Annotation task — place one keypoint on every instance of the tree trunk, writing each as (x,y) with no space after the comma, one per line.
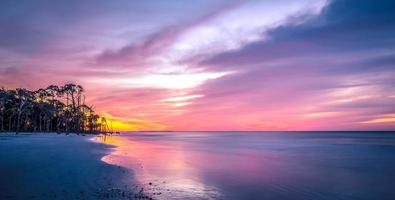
(2,122)
(25,119)
(35,124)
(39,123)
(18,122)
(10,124)
(51,125)
(67,125)
(57,125)
(73,101)
(48,124)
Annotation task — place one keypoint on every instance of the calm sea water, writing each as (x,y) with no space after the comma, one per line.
(260,165)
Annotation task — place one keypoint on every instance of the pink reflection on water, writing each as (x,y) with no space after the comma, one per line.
(166,169)
(255,166)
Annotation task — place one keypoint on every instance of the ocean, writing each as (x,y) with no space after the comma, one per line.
(259,165)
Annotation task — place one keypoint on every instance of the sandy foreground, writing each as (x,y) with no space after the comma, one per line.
(51,166)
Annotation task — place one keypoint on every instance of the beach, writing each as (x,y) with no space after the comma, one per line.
(52,166)
(199,166)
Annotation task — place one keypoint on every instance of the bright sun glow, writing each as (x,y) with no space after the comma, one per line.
(182,98)
(167,81)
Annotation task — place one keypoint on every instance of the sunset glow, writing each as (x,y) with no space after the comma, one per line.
(211,64)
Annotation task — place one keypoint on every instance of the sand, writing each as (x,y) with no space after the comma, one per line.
(51,166)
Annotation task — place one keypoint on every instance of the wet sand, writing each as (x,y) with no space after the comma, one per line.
(51,166)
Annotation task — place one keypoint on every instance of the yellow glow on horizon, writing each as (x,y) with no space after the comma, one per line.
(133,124)
(120,126)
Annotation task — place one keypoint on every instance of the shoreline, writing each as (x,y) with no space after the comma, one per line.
(60,166)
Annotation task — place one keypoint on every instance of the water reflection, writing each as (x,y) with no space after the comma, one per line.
(259,165)
(162,168)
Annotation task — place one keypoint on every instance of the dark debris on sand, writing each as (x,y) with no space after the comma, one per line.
(122,194)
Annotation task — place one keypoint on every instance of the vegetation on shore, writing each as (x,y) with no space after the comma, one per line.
(52,109)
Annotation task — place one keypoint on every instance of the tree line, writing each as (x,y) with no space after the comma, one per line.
(51,109)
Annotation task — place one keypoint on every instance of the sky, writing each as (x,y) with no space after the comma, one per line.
(210,64)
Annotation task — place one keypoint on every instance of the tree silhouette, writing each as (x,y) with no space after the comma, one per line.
(53,109)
